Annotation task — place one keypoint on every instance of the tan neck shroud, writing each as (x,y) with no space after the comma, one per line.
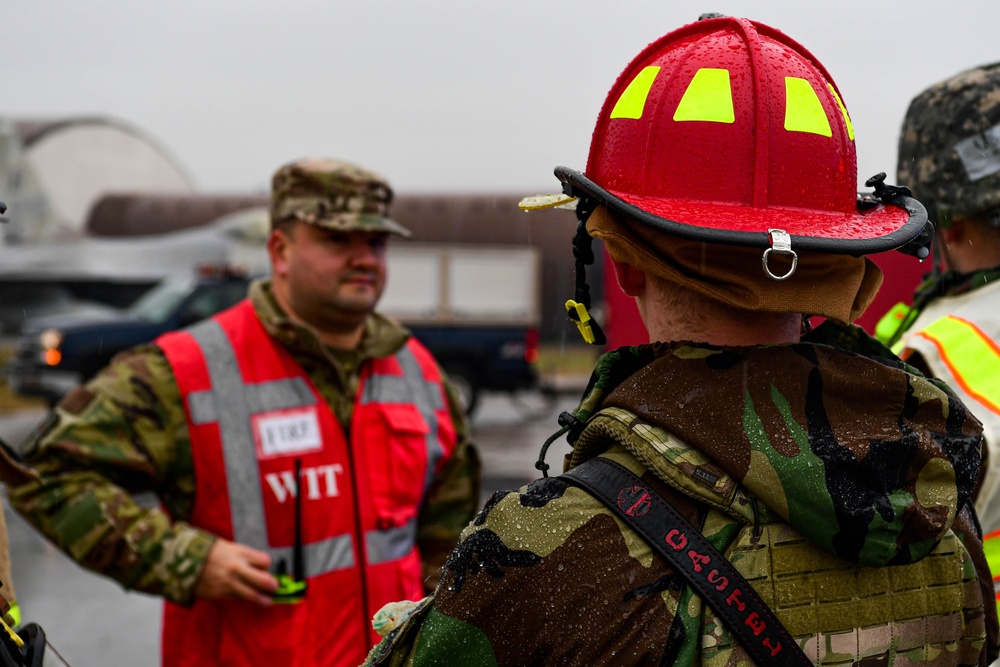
(838,287)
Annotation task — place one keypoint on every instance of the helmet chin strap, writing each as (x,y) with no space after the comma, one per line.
(583,253)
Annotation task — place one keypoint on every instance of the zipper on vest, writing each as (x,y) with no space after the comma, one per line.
(359,539)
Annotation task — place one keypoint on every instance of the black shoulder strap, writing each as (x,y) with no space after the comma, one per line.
(683,546)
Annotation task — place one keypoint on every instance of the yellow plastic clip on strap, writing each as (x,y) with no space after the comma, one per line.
(578,313)
(13,618)
(13,635)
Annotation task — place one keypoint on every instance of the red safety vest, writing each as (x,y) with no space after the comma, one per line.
(252,412)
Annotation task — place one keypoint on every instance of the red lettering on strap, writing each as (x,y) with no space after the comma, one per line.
(697,560)
(755,623)
(775,650)
(734,598)
(719,581)
(676,539)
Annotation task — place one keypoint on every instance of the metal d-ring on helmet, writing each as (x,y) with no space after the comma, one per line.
(727,131)
(781,244)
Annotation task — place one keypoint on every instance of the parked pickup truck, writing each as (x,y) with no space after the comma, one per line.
(57,352)
(475,308)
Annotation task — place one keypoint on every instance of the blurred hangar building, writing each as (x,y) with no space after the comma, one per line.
(94,201)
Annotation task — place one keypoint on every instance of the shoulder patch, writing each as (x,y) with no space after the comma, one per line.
(77,400)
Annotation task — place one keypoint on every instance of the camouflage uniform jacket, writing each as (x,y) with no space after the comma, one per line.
(836,482)
(125,432)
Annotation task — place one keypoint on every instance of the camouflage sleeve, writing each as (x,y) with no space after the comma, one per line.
(452,501)
(122,433)
(6,580)
(545,576)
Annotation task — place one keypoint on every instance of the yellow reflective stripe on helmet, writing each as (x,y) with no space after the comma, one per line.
(970,355)
(633,100)
(803,110)
(708,97)
(843,110)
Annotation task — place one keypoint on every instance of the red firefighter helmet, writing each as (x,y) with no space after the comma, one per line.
(728,131)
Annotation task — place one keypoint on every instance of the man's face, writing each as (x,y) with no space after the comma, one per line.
(331,279)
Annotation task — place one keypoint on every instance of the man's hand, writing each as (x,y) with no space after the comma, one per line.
(236,572)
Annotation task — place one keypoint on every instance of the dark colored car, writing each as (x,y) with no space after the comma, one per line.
(22,301)
(58,352)
(491,358)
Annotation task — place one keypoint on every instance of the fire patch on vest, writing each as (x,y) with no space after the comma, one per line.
(287,432)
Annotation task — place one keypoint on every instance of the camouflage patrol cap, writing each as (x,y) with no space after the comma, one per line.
(333,194)
(949,147)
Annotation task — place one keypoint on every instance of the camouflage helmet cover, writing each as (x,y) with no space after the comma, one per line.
(334,195)
(949,147)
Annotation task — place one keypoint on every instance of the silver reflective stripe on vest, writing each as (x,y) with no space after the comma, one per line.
(384,546)
(231,403)
(334,553)
(411,388)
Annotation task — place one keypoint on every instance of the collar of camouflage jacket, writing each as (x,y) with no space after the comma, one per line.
(952,283)
(853,448)
(382,336)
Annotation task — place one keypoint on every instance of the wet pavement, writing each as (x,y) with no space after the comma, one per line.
(91,621)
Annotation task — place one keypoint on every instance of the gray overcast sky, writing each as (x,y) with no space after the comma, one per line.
(438,95)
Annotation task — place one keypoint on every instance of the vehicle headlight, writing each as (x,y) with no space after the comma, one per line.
(50,340)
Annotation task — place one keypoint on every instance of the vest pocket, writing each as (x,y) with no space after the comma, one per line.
(397,446)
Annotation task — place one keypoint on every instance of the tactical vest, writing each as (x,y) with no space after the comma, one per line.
(959,339)
(253,412)
(837,611)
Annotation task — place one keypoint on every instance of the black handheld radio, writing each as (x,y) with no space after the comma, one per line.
(292,587)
